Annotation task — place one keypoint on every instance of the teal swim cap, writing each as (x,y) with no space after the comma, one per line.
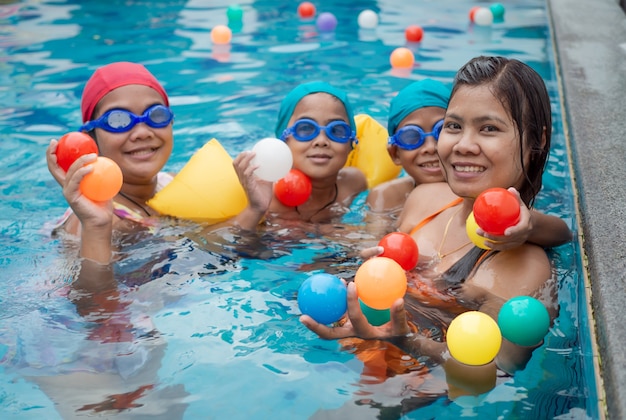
(427,92)
(288,105)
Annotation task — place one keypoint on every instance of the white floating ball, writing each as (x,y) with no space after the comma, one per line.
(483,17)
(368,19)
(273,158)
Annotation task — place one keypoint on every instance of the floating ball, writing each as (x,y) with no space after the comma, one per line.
(273,158)
(402,58)
(497,10)
(483,17)
(524,320)
(103,182)
(294,189)
(323,297)
(234,13)
(472,13)
(474,338)
(375,317)
(368,19)
(401,248)
(72,146)
(306,10)
(470,227)
(379,282)
(221,34)
(326,22)
(414,33)
(496,209)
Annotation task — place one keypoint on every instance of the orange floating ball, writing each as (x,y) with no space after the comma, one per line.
(306,10)
(221,34)
(402,58)
(414,33)
(379,282)
(103,182)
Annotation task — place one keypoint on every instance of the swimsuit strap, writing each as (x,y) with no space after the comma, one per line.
(437,213)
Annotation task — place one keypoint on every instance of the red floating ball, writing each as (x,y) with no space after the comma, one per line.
(306,10)
(72,146)
(294,189)
(401,248)
(414,33)
(496,209)
(472,12)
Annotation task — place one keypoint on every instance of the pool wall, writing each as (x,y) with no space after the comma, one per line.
(590,40)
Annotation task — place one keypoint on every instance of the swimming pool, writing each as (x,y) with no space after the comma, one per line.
(227,326)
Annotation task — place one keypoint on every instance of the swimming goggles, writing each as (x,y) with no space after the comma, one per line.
(307,130)
(411,137)
(121,120)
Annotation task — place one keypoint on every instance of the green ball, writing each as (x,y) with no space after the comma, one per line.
(234,13)
(375,317)
(497,10)
(524,320)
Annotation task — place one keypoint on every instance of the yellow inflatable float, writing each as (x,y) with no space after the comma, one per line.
(205,190)
(370,155)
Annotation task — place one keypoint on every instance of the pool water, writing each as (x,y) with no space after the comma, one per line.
(216,332)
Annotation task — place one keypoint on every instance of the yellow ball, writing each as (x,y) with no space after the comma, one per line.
(470,227)
(474,338)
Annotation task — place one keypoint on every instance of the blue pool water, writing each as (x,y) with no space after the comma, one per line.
(228,342)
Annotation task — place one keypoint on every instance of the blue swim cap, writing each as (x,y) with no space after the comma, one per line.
(427,92)
(288,105)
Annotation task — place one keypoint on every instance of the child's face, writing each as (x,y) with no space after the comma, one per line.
(142,151)
(479,146)
(320,157)
(422,164)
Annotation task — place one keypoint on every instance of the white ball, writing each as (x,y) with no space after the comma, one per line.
(368,19)
(273,158)
(483,17)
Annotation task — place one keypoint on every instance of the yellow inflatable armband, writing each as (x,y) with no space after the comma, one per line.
(205,190)
(370,154)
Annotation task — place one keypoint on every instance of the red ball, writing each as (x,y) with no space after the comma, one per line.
(472,12)
(496,209)
(401,248)
(294,189)
(414,33)
(72,146)
(306,10)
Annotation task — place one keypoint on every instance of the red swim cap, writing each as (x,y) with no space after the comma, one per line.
(113,76)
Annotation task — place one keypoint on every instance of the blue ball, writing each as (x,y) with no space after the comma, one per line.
(323,297)
(524,320)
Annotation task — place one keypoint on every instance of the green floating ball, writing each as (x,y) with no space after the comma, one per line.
(524,320)
(375,317)
(234,13)
(497,10)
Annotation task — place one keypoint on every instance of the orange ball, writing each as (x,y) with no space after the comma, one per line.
(306,9)
(402,58)
(103,182)
(221,34)
(414,33)
(379,282)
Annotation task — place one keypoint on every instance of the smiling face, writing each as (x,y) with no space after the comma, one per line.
(422,164)
(142,151)
(321,157)
(479,145)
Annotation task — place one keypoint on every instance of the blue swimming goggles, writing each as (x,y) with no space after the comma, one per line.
(121,120)
(307,130)
(411,137)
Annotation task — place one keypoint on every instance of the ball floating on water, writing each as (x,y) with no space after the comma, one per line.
(379,282)
(294,189)
(326,22)
(375,317)
(103,182)
(273,158)
(470,227)
(524,320)
(497,9)
(368,19)
(414,33)
(472,13)
(221,34)
(483,17)
(234,13)
(474,338)
(401,248)
(323,297)
(72,146)
(496,209)
(402,58)
(306,10)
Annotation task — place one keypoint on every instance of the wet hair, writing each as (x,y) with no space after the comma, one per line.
(523,93)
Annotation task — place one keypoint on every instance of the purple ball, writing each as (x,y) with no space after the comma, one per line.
(326,22)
